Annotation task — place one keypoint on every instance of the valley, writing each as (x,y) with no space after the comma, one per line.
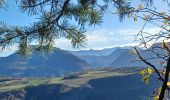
(109,84)
(70,75)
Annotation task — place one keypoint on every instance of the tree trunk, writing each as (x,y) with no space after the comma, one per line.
(164,86)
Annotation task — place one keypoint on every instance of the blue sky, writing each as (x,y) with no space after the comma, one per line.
(111,33)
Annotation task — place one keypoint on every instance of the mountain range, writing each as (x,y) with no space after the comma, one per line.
(102,52)
(62,62)
(126,59)
(103,61)
(122,57)
(55,64)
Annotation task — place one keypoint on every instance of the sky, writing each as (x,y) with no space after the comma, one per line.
(111,33)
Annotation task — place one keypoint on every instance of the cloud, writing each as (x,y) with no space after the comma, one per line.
(63,43)
(127,32)
(152,30)
(103,38)
(106,38)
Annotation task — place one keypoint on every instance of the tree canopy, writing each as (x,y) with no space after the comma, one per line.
(58,18)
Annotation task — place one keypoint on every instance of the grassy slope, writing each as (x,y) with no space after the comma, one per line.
(89,85)
(15,84)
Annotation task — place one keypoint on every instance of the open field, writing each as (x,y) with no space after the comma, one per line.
(73,80)
(100,84)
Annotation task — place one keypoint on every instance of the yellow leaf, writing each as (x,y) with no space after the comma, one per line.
(165,22)
(164,71)
(162,13)
(150,71)
(132,9)
(168,83)
(146,79)
(135,17)
(142,72)
(164,45)
(156,98)
(140,7)
(159,90)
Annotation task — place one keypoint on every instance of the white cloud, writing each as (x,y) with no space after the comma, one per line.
(153,30)
(63,43)
(103,38)
(128,32)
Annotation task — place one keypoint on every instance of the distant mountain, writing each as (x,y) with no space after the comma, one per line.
(58,63)
(127,59)
(121,57)
(96,61)
(117,53)
(103,52)
(103,61)
(61,62)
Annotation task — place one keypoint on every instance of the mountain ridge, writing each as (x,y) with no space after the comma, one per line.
(57,63)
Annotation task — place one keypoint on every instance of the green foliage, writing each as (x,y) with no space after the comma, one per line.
(56,20)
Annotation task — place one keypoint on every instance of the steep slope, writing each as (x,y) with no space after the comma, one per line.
(58,63)
(96,61)
(127,59)
(117,53)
